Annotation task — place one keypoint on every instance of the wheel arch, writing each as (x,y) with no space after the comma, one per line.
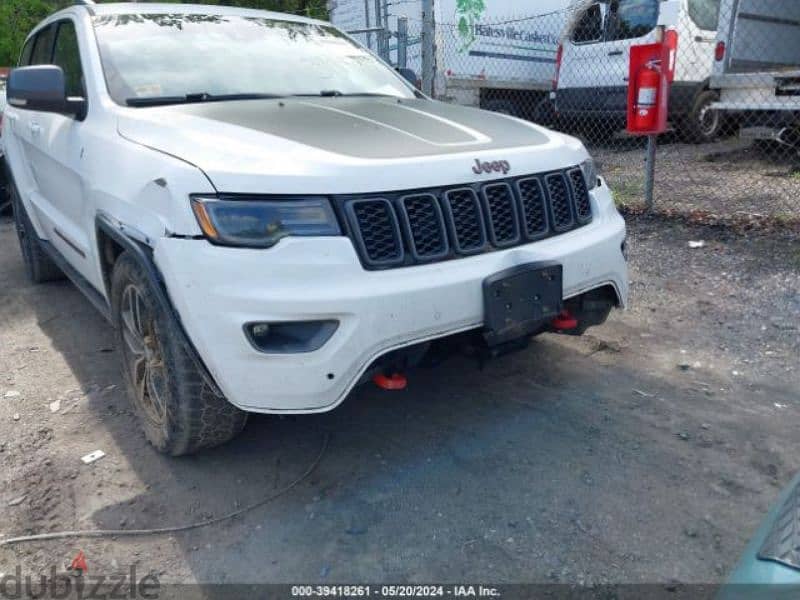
(684,94)
(114,238)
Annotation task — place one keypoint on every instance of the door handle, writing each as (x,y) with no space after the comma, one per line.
(35,128)
(615,53)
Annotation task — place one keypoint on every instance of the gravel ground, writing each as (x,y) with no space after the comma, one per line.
(645,451)
(730,179)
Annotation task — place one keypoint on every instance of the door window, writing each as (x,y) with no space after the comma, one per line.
(628,19)
(68,57)
(27,50)
(43,47)
(590,26)
(704,13)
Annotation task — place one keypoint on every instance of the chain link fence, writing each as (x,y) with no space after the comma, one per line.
(732,150)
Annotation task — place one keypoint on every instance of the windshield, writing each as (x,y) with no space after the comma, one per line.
(207,56)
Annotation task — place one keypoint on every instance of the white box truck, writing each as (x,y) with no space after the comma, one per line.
(757,68)
(496,54)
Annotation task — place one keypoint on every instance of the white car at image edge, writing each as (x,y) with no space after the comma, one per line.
(269,215)
(5,203)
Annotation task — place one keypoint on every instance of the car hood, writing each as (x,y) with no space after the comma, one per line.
(336,144)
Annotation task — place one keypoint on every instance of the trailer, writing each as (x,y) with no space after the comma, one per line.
(757,68)
(495,54)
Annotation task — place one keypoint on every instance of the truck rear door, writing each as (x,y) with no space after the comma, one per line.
(766,36)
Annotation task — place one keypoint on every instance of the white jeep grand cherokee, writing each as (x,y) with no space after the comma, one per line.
(269,215)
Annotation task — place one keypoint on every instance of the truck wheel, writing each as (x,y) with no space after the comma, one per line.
(38,265)
(178,411)
(703,124)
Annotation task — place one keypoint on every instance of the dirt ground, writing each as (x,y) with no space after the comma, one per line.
(646,451)
(730,179)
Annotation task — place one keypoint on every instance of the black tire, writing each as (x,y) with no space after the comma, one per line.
(703,124)
(5,196)
(38,265)
(178,411)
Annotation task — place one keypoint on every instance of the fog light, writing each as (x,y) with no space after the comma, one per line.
(290,337)
(260,330)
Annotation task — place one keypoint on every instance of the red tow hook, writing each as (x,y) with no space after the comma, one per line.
(564,321)
(392,383)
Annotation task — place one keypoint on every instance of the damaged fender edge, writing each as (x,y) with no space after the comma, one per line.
(140,247)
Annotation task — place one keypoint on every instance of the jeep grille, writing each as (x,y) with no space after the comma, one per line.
(406,228)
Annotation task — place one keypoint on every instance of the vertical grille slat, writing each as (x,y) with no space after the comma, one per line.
(422,226)
(465,220)
(580,193)
(503,224)
(560,205)
(377,231)
(534,209)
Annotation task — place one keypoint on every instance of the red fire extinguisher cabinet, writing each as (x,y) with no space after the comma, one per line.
(652,68)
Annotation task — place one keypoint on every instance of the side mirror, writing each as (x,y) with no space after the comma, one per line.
(42,88)
(409,75)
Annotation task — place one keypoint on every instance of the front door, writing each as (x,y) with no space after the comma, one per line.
(55,153)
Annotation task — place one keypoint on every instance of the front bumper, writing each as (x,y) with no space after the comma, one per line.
(216,290)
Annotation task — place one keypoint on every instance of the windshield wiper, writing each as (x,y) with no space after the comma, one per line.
(338,94)
(196,97)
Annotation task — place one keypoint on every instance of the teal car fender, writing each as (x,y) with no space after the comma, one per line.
(770,566)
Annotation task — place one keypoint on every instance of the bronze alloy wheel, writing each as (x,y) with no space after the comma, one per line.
(143,356)
(177,409)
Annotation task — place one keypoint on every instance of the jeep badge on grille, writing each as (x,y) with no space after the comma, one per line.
(498,166)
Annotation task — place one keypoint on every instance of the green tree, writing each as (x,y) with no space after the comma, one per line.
(18,17)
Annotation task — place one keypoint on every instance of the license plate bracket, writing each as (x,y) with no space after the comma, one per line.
(518,301)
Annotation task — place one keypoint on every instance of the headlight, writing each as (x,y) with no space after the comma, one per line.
(589,173)
(262,223)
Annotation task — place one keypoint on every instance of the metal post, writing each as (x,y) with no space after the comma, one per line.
(387,35)
(652,143)
(650,172)
(379,35)
(428,47)
(367,23)
(402,42)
